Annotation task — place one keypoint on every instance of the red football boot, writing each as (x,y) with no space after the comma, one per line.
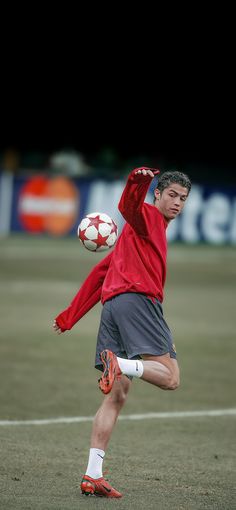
(98,487)
(111,371)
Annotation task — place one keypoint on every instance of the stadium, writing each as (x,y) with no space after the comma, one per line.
(169,449)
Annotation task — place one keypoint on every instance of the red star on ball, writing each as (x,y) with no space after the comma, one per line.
(82,235)
(114,228)
(95,221)
(101,241)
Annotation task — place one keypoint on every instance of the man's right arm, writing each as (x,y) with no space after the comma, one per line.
(133,196)
(88,295)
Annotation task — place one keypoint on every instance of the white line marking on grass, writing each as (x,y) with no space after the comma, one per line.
(123,417)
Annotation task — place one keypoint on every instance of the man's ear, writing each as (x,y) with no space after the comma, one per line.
(156,194)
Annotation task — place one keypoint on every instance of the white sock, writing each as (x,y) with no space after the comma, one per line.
(94,468)
(132,367)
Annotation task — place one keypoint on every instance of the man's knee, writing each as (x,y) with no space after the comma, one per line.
(118,398)
(174,377)
(119,392)
(173,382)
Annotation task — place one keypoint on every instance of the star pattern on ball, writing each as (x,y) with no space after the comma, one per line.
(82,235)
(101,240)
(114,228)
(97,233)
(96,221)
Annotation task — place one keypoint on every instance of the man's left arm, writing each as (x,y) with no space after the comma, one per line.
(88,295)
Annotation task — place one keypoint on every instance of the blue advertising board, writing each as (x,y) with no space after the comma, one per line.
(55,206)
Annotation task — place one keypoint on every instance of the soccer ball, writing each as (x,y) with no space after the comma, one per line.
(97,232)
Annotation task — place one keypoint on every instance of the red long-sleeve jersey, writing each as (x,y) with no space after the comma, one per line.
(138,261)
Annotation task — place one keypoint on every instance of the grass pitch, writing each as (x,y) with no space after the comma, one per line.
(178,463)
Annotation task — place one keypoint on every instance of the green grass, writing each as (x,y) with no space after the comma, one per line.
(182,463)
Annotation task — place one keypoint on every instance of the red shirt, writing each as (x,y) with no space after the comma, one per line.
(138,261)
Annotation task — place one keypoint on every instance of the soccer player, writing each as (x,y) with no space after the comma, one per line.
(134,339)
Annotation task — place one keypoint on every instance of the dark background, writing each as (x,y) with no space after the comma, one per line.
(197,140)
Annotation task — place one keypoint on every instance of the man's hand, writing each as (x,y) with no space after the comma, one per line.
(147,171)
(56,328)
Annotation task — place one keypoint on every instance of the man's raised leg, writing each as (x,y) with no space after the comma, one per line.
(162,371)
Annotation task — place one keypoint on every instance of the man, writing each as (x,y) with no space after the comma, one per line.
(133,339)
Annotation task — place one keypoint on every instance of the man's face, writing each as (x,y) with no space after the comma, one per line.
(171,201)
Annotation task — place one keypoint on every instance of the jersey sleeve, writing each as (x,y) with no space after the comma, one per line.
(132,200)
(88,295)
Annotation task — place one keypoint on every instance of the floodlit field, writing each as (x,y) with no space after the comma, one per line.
(180,463)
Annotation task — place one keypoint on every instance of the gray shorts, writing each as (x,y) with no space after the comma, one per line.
(131,325)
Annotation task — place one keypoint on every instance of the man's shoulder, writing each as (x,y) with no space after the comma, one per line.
(152,213)
(152,209)
(149,206)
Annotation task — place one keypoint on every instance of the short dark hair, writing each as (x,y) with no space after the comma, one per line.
(173,176)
